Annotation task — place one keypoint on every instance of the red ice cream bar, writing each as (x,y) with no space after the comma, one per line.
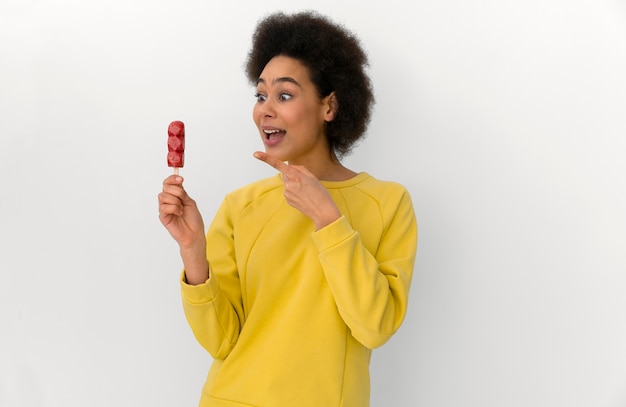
(176,144)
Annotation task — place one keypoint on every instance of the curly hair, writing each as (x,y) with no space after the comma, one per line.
(336,63)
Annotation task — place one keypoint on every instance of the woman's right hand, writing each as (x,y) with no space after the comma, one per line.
(180,215)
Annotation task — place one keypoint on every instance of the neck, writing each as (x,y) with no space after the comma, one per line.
(331,170)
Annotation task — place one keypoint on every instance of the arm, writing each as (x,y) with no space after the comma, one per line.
(371,290)
(211,305)
(214,309)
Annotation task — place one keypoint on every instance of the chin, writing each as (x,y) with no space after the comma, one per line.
(276,152)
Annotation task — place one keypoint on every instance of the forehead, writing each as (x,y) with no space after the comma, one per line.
(285,67)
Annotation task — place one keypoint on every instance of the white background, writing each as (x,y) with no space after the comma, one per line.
(504,119)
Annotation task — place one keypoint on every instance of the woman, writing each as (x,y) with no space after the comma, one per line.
(302,274)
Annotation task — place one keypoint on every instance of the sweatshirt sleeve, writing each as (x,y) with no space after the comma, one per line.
(371,289)
(214,309)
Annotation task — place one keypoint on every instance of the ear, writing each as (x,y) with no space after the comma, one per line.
(332,106)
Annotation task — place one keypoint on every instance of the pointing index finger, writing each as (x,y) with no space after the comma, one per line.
(273,161)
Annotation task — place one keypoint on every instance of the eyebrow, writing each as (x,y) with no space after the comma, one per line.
(281,79)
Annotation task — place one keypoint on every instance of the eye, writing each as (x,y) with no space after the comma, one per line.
(260,97)
(284,97)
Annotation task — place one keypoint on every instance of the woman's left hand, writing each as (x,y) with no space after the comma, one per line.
(304,191)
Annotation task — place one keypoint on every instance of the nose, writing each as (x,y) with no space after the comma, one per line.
(267,108)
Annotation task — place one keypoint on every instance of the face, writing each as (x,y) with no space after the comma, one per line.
(289,113)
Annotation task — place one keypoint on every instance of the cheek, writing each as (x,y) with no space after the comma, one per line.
(297,115)
(255,115)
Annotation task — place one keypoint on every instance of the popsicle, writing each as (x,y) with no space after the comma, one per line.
(176,145)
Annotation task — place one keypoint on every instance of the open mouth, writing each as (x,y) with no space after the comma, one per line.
(273,134)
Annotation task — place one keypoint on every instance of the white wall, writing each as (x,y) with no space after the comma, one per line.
(505,119)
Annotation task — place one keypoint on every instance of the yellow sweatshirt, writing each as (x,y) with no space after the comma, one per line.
(290,314)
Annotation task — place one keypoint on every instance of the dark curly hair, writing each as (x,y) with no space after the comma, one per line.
(335,60)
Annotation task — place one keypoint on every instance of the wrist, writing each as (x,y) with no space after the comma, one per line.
(327,219)
(195,263)
(193,247)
